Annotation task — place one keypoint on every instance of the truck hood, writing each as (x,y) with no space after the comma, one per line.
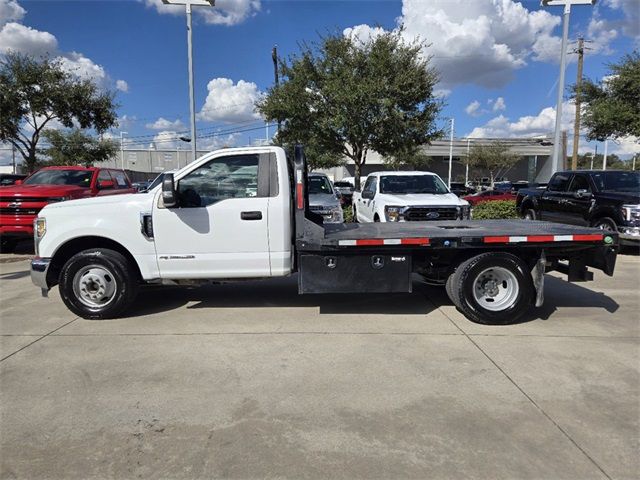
(632,198)
(323,200)
(95,201)
(43,191)
(421,199)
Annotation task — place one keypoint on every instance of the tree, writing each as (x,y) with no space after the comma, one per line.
(493,157)
(413,158)
(612,107)
(77,148)
(346,97)
(34,93)
(613,162)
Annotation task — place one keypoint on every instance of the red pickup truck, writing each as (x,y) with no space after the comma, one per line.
(20,203)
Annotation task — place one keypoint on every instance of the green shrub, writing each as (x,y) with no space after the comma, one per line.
(499,209)
(348,213)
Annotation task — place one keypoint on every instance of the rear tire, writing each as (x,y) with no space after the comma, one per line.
(493,288)
(529,214)
(98,283)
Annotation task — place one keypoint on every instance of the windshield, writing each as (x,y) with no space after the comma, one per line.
(343,184)
(320,185)
(403,184)
(618,181)
(81,178)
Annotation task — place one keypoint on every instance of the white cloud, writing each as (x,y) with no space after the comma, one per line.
(473,109)
(527,126)
(83,67)
(630,21)
(218,141)
(499,104)
(363,32)
(164,124)
(126,121)
(481,42)
(225,12)
(18,38)
(626,147)
(10,11)
(227,102)
(122,85)
(166,140)
(441,92)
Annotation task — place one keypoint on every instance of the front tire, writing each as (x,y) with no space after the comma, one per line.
(606,223)
(8,245)
(493,288)
(529,214)
(98,283)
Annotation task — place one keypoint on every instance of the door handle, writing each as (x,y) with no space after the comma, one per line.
(251,215)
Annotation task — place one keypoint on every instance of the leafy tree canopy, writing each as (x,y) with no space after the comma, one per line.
(345,97)
(35,92)
(75,147)
(612,106)
(493,157)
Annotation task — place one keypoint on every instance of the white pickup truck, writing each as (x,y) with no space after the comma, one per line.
(244,213)
(407,196)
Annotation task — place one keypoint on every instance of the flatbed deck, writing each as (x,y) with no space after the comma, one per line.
(465,231)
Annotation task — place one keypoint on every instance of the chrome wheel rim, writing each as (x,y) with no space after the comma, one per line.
(528,216)
(495,289)
(605,226)
(94,286)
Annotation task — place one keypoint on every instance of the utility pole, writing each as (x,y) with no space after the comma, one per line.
(451,152)
(576,126)
(122,134)
(594,157)
(466,171)
(274,57)
(604,159)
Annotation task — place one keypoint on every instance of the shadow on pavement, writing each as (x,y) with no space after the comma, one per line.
(283,293)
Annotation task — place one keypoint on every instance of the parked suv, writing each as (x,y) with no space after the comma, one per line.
(20,203)
(405,197)
(609,200)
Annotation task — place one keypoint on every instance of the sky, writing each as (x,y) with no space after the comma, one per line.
(498,59)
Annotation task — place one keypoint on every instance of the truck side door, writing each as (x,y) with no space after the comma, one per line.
(367,205)
(578,202)
(220,228)
(554,197)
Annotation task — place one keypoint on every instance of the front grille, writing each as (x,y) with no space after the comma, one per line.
(19,211)
(422,214)
(24,199)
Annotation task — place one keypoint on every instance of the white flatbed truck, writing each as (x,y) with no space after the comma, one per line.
(244,213)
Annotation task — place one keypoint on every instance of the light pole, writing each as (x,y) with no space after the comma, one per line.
(604,159)
(466,171)
(451,152)
(122,134)
(192,105)
(555,160)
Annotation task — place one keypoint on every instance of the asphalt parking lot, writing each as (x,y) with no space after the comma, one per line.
(252,381)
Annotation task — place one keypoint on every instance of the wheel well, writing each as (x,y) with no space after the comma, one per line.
(70,248)
(376,216)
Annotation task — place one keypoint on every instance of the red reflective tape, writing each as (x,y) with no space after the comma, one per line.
(496,239)
(540,238)
(371,241)
(588,238)
(299,196)
(414,241)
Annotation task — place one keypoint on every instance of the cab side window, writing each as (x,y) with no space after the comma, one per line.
(371,185)
(120,179)
(559,183)
(104,176)
(579,182)
(220,179)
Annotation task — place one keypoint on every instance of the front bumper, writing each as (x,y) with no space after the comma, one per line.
(629,235)
(39,269)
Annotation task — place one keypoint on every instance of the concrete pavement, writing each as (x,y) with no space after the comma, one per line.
(250,380)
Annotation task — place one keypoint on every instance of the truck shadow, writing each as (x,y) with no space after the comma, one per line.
(283,293)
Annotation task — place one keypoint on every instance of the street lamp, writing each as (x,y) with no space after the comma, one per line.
(555,161)
(188,4)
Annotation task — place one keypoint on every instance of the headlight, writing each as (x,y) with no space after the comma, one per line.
(393,214)
(39,227)
(631,212)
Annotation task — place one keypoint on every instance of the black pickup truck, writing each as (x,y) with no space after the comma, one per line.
(609,200)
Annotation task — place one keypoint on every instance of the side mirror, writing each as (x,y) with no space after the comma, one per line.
(18,182)
(338,195)
(169,194)
(368,194)
(105,184)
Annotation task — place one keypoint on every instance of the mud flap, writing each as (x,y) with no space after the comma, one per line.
(538,278)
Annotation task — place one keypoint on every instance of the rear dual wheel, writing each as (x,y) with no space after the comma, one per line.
(493,288)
